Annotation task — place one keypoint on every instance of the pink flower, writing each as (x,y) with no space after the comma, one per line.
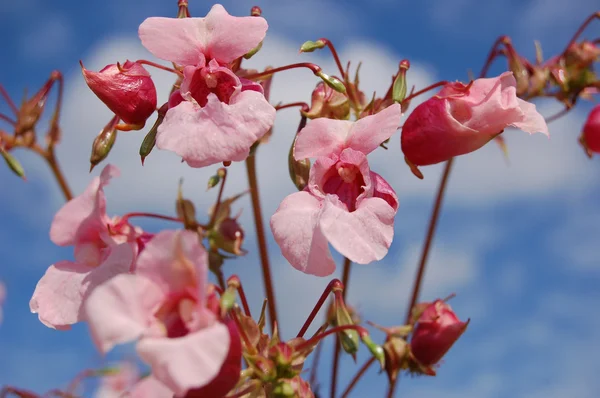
(461,119)
(215,116)
(127,90)
(436,331)
(344,203)
(125,376)
(148,387)
(104,247)
(591,130)
(165,307)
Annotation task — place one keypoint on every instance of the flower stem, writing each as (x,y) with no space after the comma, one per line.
(425,252)
(337,348)
(314,68)
(234,281)
(317,307)
(335,56)
(428,88)
(361,331)
(222,171)
(150,215)
(158,66)
(357,376)
(9,101)
(261,238)
(581,29)
(60,178)
(302,105)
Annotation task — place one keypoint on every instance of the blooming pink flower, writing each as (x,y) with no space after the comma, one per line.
(344,203)
(591,130)
(104,247)
(461,119)
(436,331)
(215,116)
(127,90)
(164,305)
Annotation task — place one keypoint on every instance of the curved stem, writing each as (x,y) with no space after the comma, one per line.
(428,88)
(60,178)
(158,66)
(7,119)
(361,331)
(261,239)
(314,68)
(302,105)
(150,215)
(335,56)
(337,348)
(581,29)
(317,307)
(558,115)
(357,376)
(8,100)
(492,55)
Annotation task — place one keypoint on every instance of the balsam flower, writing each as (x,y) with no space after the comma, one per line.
(591,130)
(166,308)
(103,248)
(461,119)
(344,203)
(215,116)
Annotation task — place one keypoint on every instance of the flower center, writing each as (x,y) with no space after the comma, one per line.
(176,314)
(346,182)
(219,82)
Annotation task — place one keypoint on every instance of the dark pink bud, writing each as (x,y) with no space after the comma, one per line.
(229,374)
(436,331)
(127,90)
(591,130)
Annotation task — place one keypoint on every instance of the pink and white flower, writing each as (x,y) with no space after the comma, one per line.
(461,119)
(104,247)
(344,203)
(166,308)
(215,116)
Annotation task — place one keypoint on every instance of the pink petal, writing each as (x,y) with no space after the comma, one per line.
(187,362)
(179,40)
(295,226)
(321,137)
(383,190)
(121,310)
(59,295)
(369,132)
(174,260)
(364,235)
(149,387)
(192,41)
(217,132)
(532,121)
(83,218)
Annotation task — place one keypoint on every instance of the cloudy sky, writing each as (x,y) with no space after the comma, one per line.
(518,242)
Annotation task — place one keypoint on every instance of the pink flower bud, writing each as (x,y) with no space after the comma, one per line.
(436,331)
(591,130)
(127,90)
(327,102)
(463,118)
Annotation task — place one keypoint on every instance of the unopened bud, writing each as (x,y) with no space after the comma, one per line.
(349,338)
(127,90)
(213,181)
(326,102)
(183,11)
(215,262)
(400,87)
(255,11)
(12,163)
(310,46)
(251,53)
(227,300)
(396,356)
(185,210)
(591,131)
(104,142)
(332,82)
(150,138)
(376,350)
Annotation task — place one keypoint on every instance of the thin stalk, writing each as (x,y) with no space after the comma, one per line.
(317,307)
(9,101)
(303,105)
(337,348)
(213,217)
(314,68)
(7,119)
(357,376)
(261,238)
(58,175)
(428,88)
(581,29)
(158,66)
(151,215)
(335,56)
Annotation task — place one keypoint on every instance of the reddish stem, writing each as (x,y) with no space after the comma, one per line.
(235,281)
(9,101)
(261,239)
(314,68)
(334,283)
(54,132)
(361,331)
(127,216)
(357,376)
(303,105)
(493,54)
(60,178)
(249,347)
(428,88)
(581,29)
(558,115)
(335,56)
(337,348)
(158,66)
(245,391)
(213,217)
(7,119)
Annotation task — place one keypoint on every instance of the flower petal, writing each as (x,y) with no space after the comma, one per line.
(217,132)
(193,41)
(59,295)
(369,132)
(187,362)
(149,387)
(83,218)
(295,226)
(321,137)
(532,121)
(363,235)
(383,190)
(121,310)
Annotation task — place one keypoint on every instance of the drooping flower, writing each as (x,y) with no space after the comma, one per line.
(463,118)
(215,116)
(165,306)
(436,331)
(103,248)
(591,130)
(127,90)
(344,203)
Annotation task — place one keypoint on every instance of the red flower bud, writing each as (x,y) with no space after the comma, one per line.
(229,374)
(127,90)
(591,130)
(436,331)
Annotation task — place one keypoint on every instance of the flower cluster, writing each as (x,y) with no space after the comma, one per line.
(154,288)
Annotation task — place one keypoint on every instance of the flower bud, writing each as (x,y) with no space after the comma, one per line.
(437,329)
(12,163)
(399,87)
(127,90)
(332,82)
(329,103)
(230,236)
(150,138)
(104,142)
(310,46)
(396,355)
(582,55)
(185,210)
(591,131)
(349,338)
(516,66)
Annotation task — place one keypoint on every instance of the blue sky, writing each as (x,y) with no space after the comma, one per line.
(517,243)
